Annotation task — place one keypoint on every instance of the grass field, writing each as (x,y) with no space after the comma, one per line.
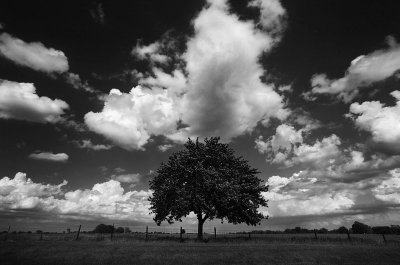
(371,239)
(230,252)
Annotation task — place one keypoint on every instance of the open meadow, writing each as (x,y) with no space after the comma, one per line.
(266,249)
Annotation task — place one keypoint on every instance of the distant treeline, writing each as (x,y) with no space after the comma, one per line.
(356,228)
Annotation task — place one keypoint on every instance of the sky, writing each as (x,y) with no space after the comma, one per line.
(95,95)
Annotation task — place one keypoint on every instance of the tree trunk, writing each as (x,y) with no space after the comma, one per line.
(200,229)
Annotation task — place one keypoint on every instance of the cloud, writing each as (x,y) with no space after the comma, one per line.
(165,147)
(350,186)
(272,15)
(130,119)
(151,52)
(74,125)
(175,82)
(305,120)
(87,144)
(127,178)
(321,153)
(303,195)
(351,166)
(363,71)
(20,101)
(106,200)
(75,81)
(33,55)
(280,145)
(383,122)
(22,193)
(61,157)
(215,91)
(389,189)
(287,147)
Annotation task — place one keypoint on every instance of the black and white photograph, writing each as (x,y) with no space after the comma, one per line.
(199,132)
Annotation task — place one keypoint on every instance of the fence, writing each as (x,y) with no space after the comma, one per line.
(151,234)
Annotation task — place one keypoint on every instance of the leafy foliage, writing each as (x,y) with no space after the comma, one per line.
(360,228)
(102,228)
(209,180)
(119,230)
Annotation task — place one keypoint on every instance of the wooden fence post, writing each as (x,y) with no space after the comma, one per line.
(181,234)
(8,231)
(348,235)
(215,233)
(384,238)
(112,232)
(315,234)
(79,231)
(41,235)
(147,232)
(249,235)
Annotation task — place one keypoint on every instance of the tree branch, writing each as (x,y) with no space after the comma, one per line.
(205,217)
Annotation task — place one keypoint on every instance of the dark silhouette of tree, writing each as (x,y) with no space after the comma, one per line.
(342,230)
(360,228)
(323,231)
(119,230)
(209,180)
(395,229)
(102,228)
(382,230)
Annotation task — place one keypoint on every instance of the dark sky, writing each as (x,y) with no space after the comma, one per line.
(277,80)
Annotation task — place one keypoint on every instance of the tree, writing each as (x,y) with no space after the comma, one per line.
(360,228)
(102,228)
(209,180)
(342,230)
(323,231)
(119,230)
(382,230)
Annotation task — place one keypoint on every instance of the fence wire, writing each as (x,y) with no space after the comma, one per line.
(157,233)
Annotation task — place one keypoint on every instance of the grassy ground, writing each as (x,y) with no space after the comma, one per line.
(245,252)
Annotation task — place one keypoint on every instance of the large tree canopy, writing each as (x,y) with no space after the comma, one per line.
(209,180)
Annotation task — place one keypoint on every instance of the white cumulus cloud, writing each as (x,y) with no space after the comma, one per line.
(272,14)
(302,195)
(47,156)
(280,145)
(220,93)
(321,153)
(287,147)
(389,189)
(363,71)
(129,120)
(106,200)
(383,122)
(33,55)
(21,192)
(20,101)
